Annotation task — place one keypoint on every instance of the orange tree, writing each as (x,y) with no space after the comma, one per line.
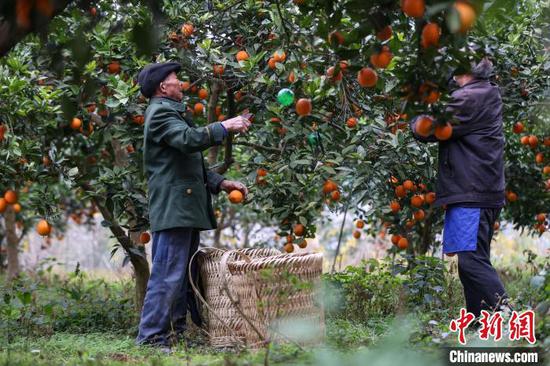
(358,71)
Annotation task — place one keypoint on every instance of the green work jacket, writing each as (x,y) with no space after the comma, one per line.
(179,186)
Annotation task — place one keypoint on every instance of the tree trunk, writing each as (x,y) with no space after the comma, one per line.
(426,235)
(12,241)
(136,254)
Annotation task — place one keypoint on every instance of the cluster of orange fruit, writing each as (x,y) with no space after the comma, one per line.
(425,127)
(419,198)
(9,198)
(359,224)
(541,222)
(299,231)
(330,189)
(277,57)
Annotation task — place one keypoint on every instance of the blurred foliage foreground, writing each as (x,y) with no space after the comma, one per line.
(371,310)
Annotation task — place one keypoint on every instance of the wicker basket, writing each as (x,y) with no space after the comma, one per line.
(277,293)
(225,324)
(250,293)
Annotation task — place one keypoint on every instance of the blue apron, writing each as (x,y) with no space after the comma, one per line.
(460,229)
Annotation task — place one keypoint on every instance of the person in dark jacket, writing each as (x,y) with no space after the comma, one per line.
(470,182)
(179,193)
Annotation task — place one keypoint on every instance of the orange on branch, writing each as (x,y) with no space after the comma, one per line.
(3,205)
(430,198)
(351,122)
(467,15)
(203,93)
(10,196)
(218,70)
(413,8)
(242,56)
(443,133)
(279,56)
(419,215)
(403,243)
(303,107)
(524,140)
(541,217)
(187,29)
(329,186)
(400,191)
(289,248)
(385,33)
(539,158)
(17,208)
(533,141)
(198,108)
(356,234)
(382,59)
(395,239)
(417,200)
(43,228)
(144,237)
(360,224)
(408,185)
(367,77)
(518,127)
(272,64)
(299,230)
(395,206)
(423,126)
(76,123)
(335,196)
(430,35)
(113,67)
(332,77)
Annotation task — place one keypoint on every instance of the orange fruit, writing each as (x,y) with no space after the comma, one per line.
(443,133)
(3,130)
(395,206)
(546,141)
(218,70)
(409,224)
(382,59)
(43,228)
(329,186)
(430,35)
(272,64)
(185,85)
(417,200)
(93,11)
(467,15)
(524,140)
(289,248)
(221,117)
(541,217)
(533,141)
(539,158)
(400,191)
(360,224)
(430,198)
(413,8)
(511,196)
(303,244)
(17,208)
(408,185)
(279,56)
(144,237)
(546,170)
(419,215)
(423,126)
(291,77)
(187,29)
(496,225)
(203,94)
(242,56)
(385,33)
(299,230)
(395,239)
(113,67)
(10,197)
(261,172)
(303,107)
(198,108)
(336,38)
(356,234)
(76,123)
(334,78)
(367,77)
(518,127)
(351,122)
(3,205)
(335,195)
(218,110)
(236,196)
(403,243)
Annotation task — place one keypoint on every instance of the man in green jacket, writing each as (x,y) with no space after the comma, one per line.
(179,191)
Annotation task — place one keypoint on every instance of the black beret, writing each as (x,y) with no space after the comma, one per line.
(153,74)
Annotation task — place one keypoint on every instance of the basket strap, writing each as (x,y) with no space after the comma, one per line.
(204,302)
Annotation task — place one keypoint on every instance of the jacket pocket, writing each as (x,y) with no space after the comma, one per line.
(446,161)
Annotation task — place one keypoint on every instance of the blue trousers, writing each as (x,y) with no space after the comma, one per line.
(483,289)
(168,292)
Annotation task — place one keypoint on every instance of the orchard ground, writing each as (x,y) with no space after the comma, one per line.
(86,316)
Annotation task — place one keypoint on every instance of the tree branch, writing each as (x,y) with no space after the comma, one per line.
(258,146)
